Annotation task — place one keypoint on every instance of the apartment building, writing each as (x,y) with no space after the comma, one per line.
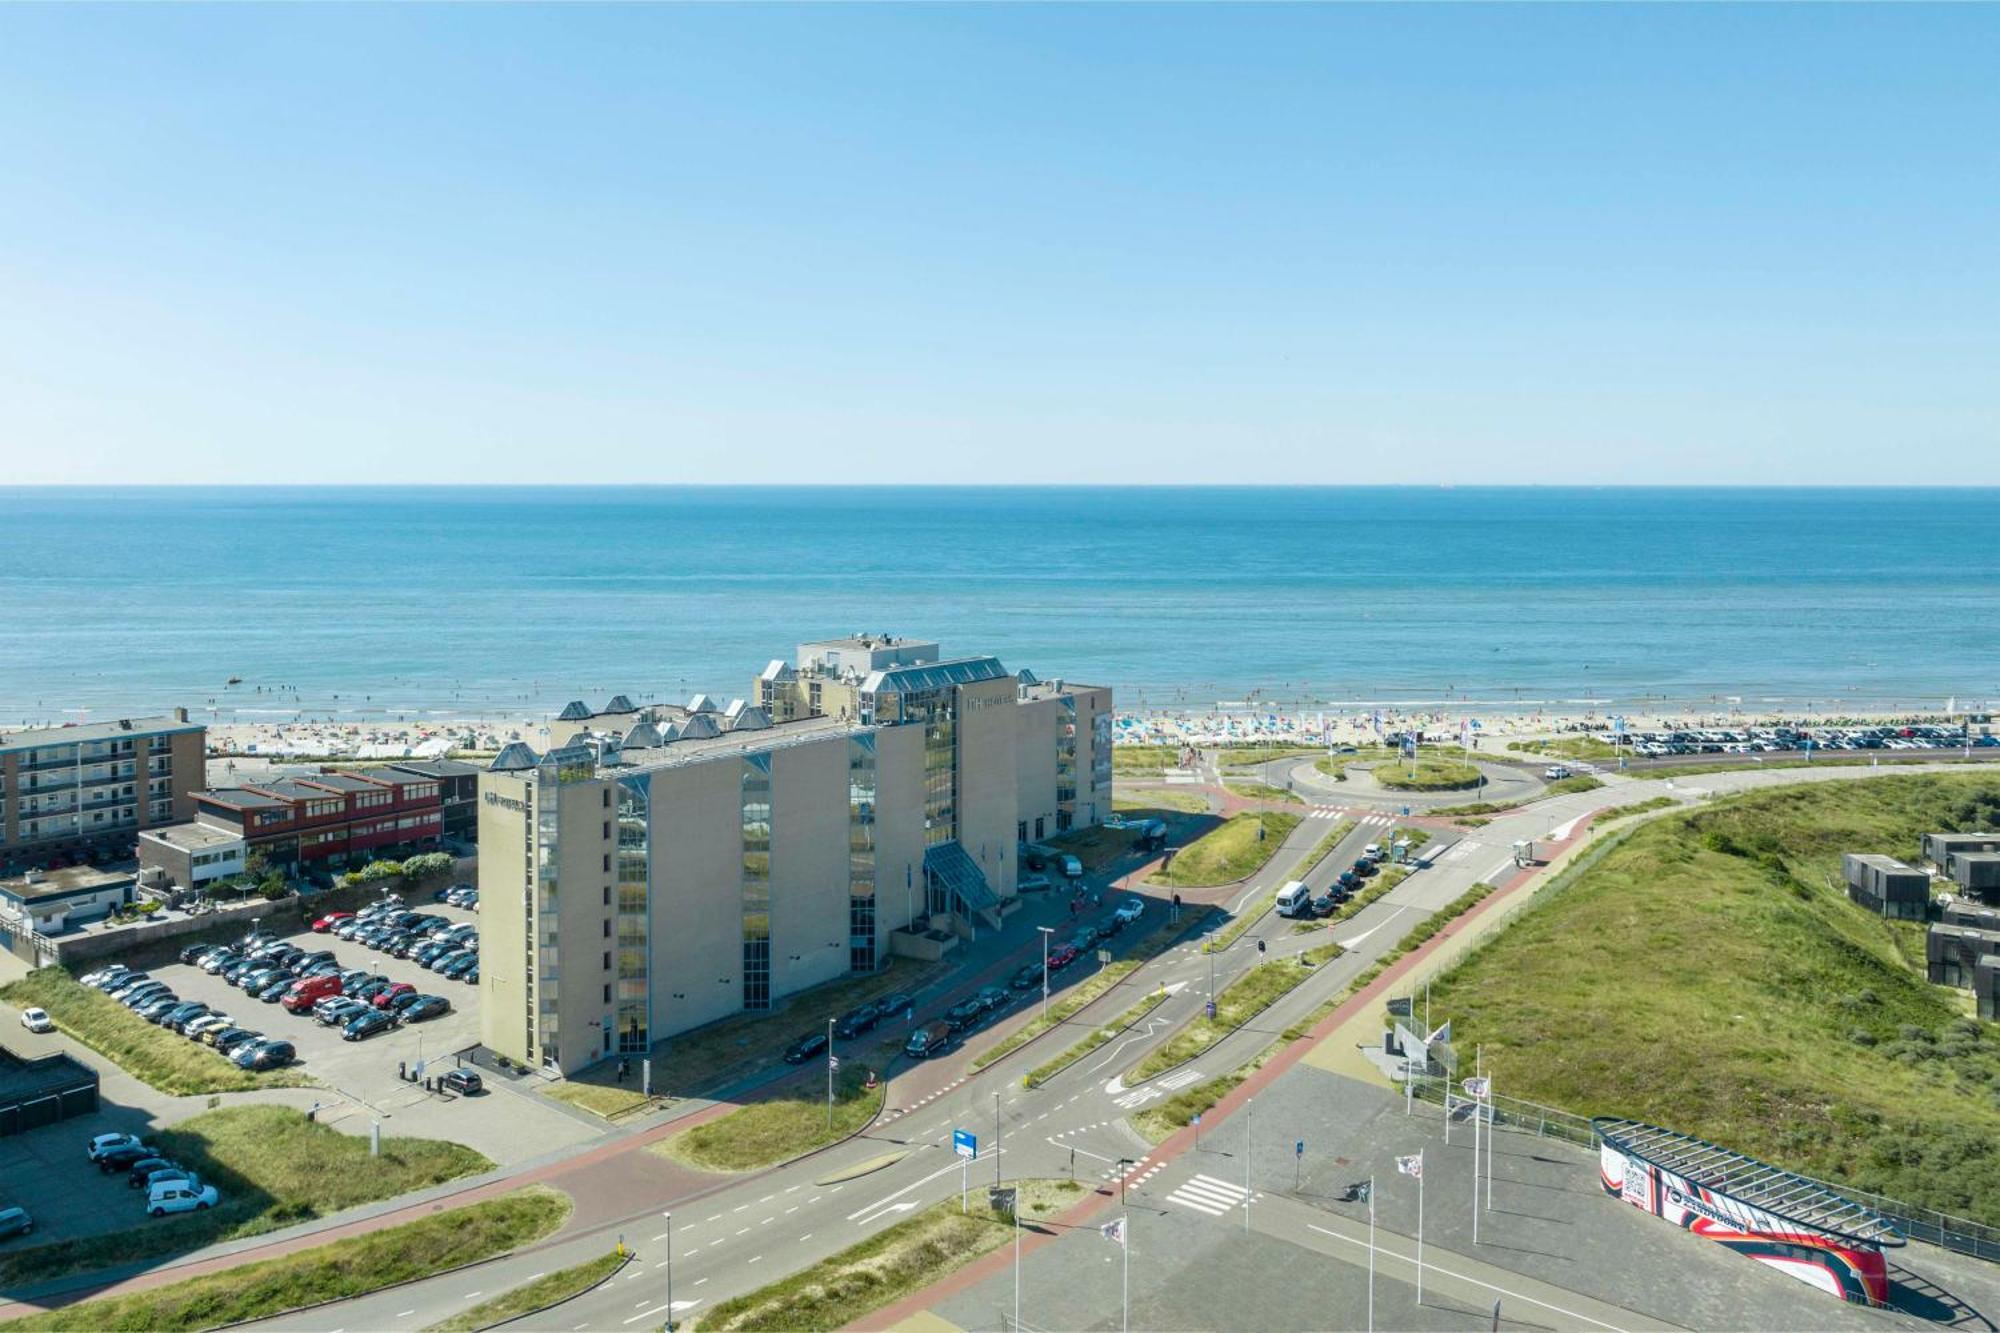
(86,791)
(684,863)
(325,817)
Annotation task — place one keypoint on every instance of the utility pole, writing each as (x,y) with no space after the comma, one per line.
(996,1136)
(1046,932)
(1249,1138)
(829,1075)
(670,1270)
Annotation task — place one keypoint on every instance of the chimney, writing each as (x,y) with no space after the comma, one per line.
(180,715)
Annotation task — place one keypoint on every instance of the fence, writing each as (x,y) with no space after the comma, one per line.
(1929,1225)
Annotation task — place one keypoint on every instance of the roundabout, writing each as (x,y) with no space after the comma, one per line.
(1498,783)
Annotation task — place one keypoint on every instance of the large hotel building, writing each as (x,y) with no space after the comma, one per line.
(661,867)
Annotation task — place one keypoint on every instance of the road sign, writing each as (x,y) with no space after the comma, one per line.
(1299,1148)
(1000,1198)
(1400,1005)
(1104,955)
(964,1143)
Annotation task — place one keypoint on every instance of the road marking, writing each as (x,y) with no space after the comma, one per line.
(903,1207)
(716,1218)
(739,1207)
(1206,1194)
(699,1281)
(470,1295)
(793,1209)
(533,1276)
(755,1258)
(764,1222)
(1181,1079)
(767,1198)
(793,1189)
(984,1155)
(406,1314)
(676,1305)
(1504,1291)
(807,1236)
(663,1235)
(744,1232)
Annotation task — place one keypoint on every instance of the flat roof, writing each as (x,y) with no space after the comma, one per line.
(240,797)
(63,883)
(439,768)
(21,1079)
(29,738)
(292,789)
(340,781)
(1881,862)
(774,737)
(191,836)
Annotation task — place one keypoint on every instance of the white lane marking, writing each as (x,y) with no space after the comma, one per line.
(807,1236)
(755,1258)
(663,1235)
(739,1207)
(767,1198)
(1206,1194)
(699,1281)
(793,1189)
(984,1154)
(903,1207)
(793,1209)
(406,1314)
(1463,1277)
(1559,834)
(536,1276)
(675,1306)
(716,1218)
(744,1232)
(470,1295)
(1181,1079)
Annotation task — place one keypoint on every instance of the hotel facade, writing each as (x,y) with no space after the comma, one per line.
(662,867)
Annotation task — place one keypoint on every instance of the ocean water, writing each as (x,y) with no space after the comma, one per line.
(476,601)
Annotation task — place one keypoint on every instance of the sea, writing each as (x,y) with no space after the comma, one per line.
(369,603)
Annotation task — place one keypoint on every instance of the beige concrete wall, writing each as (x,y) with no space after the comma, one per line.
(1035,725)
(505,891)
(808,864)
(583,1012)
(696,964)
(899,827)
(986,778)
(1093,803)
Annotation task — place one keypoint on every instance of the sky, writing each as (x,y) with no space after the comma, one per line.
(854,244)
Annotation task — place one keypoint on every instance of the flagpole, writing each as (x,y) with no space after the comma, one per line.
(1125,1244)
(1475,1171)
(1489,1151)
(1420,1233)
(1017,1251)
(1371,1254)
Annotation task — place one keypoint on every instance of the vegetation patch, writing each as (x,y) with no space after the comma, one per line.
(1426,775)
(1636,808)
(341,1270)
(598,1092)
(1159,803)
(1158,1122)
(1243,756)
(543,1292)
(1262,791)
(273,1168)
(1048,1069)
(1240,1001)
(1574,747)
(1335,765)
(888,1266)
(1229,852)
(778,1128)
(1059,1013)
(1709,974)
(154,1056)
(1144,758)
(1096,846)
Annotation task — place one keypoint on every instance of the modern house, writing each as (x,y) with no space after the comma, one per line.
(1886,886)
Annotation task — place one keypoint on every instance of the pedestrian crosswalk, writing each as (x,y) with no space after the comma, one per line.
(1363,818)
(1206,1194)
(1459,850)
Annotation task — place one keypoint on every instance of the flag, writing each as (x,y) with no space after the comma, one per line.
(1411,1166)
(833,1062)
(1114,1230)
(1477,1087)
(1364,1191)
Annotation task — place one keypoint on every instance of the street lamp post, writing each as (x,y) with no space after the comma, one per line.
(1046,932)
(829,1075)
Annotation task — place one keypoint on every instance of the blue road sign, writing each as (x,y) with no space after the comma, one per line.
(1299,1150)
(964,1143)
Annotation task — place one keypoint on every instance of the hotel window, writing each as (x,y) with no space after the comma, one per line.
(861,939)
(633,1016)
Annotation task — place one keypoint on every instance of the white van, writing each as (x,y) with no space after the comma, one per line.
(180,1196)
(1295,900)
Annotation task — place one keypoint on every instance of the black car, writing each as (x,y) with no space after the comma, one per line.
(159,1007)
(1324,905)
(458,969)
(1026,977)
(124,1159)
(896,1004)
(194,953)
(1349,880)
(463,1081)
(265,1054)
(965,1013)
(145,1167)
(424,1007)
(229,1039)
(367,1024)
(993,997)
(857,1021)
(1364,867)
(805,1048)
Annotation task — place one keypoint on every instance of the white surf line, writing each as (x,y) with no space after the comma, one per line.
(1464,1277)
(984,1155)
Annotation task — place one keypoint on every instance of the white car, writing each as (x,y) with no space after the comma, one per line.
(180,1196)
(1555,772)
(37,1020)
(104,1143)
(1373,851)
(1130,910)
(208,1024)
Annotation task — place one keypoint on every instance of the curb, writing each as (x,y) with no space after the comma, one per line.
(544,1309)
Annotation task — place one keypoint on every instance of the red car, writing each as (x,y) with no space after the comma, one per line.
(388,997)
(330,920)
(1063,956)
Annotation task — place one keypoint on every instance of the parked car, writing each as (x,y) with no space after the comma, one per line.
(930,1039)
(1062,956)
(146,1166)
(401,1002)
(330,921)
(15,1222)
(305,992)
(389,996)
(195,952)
(272,990)
(1130,910)
(465,1082)
(105,1143)
(180,1196)
(122,1159)
(265,1054)
(221,958)
(1070,867)
(338,1011)
(1324,905)
(365,1024)
(805,1048)
(424,1008)
(147,1179)
(856,1021)
(993,997)
(1556,772)
(37,1020)
(159,1007)
(229,1039)
(895,1002)
(1026,977)
(207,1023)
(965,1013)
(459,968)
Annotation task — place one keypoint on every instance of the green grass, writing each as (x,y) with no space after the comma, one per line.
(1636,808)
(1243,756)
(529,1297)
(341,1270)
(1048,1069)
(1426,775)
(1240,1001)
(1253,911)
(1796,759)
(1144,758)
(1060,1012)
(154,1056)
(1229,852)
(1415,837)
(1709,974)
(1096,846)
(1158,803)
(598,1093)
(1261,791)
(1335,765)
(908,1257)
(778,1128)
(273,1168)
(1575,783)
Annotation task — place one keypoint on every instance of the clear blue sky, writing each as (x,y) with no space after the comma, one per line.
(852,244)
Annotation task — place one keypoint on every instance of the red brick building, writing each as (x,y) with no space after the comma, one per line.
(330,816)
